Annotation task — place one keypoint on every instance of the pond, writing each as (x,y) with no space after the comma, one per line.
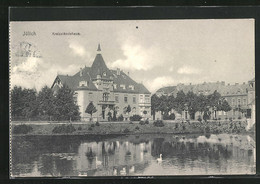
(132,155)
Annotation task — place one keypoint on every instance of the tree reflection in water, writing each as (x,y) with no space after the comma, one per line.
(182,154)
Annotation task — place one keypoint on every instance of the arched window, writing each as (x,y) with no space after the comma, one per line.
(105,96)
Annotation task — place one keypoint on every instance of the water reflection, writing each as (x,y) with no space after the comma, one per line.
(133,155)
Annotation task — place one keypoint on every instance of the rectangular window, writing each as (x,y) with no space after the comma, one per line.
(219,113)
(238,101)
(122,86)
(125,99)
(147,98)
(233,102)
(116,99)
(141,98)
(225,113)
(134,99)
(244,101)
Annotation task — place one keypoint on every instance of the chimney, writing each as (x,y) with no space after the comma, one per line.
(236,83)
(244,83)
(228,84)
(190,84)
(117,71)
(128,73)
(223,83)
(80,72)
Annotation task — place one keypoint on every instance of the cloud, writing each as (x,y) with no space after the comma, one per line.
(77,49)
(159,82)
(171,69)
(28,65)
(188,70)
(138,57)
(37,72)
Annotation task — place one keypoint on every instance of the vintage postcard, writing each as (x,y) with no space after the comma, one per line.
(132,98)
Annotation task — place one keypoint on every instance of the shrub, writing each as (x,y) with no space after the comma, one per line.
(90,128)
(230,119)
(137,128)
(176,125)
(131,122)
(97,123)
(141,122)
(239,117)
(207,129)
(92,125)
(206,116)
(166,116)
(172,116)
(64,129)
(219,118)
(158,123)
(22,129)
(120,118)
(199,119)
(135,118)
(126,130)
(79,128)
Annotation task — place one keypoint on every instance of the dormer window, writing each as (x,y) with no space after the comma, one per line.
(83,83)
(131,87)
(122,86)
(104,74)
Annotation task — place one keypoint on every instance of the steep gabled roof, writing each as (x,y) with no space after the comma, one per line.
(123,79)
(99,67)
(73,81)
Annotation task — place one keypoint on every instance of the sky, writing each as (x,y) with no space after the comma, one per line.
(157,53)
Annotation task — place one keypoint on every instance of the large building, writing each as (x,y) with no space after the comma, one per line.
(109,90)
(241,97)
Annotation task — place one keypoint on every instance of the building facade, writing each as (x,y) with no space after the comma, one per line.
(109,91)
(241,98)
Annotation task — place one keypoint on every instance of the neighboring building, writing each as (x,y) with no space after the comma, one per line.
(241,97)
(109,90)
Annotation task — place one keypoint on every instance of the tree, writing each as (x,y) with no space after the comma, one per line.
(90,109)
(224,106)
(128,109)
(30,103)
(46,103)
(114,114)
(171,102)
(17,94)
(201,103)
(163,105)
(192,104)
(155,101)
(24,103)
(180,101)
(65,107)
(213,99)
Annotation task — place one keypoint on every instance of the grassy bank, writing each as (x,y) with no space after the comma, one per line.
(103,128)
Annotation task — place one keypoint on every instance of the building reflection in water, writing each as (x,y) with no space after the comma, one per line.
(135,155)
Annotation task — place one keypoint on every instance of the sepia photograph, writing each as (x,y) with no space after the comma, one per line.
(172,97)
